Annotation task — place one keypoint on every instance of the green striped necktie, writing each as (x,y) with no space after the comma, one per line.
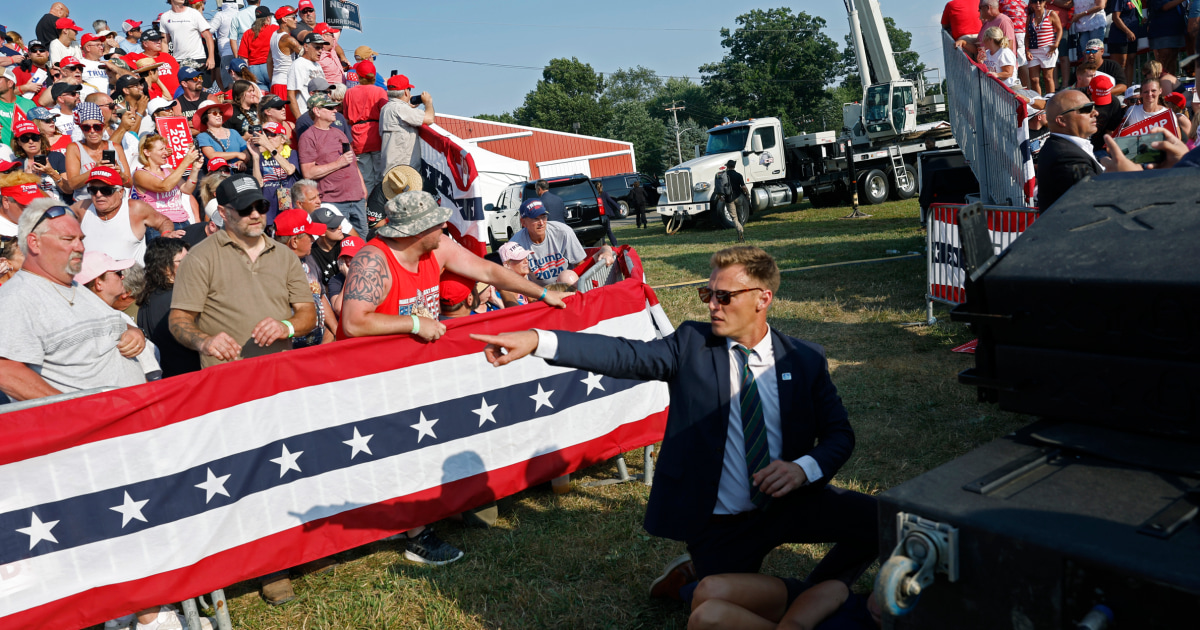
(754,430)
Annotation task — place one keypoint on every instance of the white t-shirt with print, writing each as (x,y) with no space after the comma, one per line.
(185,29)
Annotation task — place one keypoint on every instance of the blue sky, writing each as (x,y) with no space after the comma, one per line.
(669,36)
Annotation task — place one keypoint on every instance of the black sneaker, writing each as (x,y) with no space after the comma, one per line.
(427,548)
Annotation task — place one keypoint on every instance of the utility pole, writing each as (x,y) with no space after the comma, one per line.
(674,112)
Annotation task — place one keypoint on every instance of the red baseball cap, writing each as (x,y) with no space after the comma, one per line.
(217,163)
(274,127)
(23,193)
(305,4)
(284,11)
(67,23)
(129,25)
(364,67)
(454,289)
(295,222)
(89,38)
(324,29)
(69,61)
(1101,89)
(106,174)
(399,82)
(23,128)
(351,246)
(1176,99)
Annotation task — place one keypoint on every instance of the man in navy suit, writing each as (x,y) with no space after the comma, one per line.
(733,381)
(554,204)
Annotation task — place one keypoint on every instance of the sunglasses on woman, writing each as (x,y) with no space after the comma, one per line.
(53,212)
(103,191)
(271,134)
(723,297)
(29,137)
(95,128)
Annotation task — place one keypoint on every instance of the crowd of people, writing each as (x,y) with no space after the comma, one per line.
(189,192)
(1076,68)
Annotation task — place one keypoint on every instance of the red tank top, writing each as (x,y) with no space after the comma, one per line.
(411,294)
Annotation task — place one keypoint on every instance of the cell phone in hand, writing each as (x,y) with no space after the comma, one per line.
(345,147)
(1138,149)
(40,159)
(108,156)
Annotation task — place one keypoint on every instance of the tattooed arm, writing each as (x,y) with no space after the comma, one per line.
(367,283)
(183,327)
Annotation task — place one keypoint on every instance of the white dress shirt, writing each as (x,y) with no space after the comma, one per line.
(733,490)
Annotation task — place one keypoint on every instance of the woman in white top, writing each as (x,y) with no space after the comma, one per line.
(1151,95)
(1000,60)
(83,155)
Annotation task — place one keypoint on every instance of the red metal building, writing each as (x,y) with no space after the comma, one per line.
(549,153)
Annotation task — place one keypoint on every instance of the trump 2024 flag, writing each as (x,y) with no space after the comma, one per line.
(154,493)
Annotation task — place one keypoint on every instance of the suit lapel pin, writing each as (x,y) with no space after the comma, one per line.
(787,376)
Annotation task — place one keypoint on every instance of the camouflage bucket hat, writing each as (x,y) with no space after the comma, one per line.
(412,212)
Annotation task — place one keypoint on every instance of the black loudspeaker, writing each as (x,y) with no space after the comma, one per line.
(1093,314)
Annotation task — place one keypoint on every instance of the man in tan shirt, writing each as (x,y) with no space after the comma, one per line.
(238,294)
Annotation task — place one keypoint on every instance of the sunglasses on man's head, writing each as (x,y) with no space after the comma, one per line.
(103,191)
(92,128)
(29,137)
(723,297)
(53,212)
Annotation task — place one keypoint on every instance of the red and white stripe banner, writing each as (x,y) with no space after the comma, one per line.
(947,277)
(150,494)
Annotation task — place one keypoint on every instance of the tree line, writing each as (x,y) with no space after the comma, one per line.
(776,63)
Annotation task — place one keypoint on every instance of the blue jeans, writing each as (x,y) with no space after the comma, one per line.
(1086,36)
(355,212)
(260,73)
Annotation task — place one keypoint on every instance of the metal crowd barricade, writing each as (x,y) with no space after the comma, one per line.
(190,610)
(990,126)
(947,278)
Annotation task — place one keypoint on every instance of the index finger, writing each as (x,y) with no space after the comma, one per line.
(491,339)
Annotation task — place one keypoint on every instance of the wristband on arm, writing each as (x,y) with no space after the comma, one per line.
(291,329)
(416,325)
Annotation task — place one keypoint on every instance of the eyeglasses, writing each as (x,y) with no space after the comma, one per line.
(723,297)
(104,191)
(119,273)
(303,11)
(1092,51)
(53,212)
(29,137)
(1084,109)
(271,134)
(98,127)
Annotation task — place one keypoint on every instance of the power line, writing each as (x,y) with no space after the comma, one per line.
(595,28)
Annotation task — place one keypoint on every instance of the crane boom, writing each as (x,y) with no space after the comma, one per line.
(872,47)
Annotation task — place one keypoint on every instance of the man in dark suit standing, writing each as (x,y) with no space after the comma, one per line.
(555,208)
(1066,156)
(755,431)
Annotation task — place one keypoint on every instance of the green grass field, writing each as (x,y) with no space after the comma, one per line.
(582,560)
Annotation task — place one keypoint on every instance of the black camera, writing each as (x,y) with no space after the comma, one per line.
(415,100)
(26,64)
(255,129)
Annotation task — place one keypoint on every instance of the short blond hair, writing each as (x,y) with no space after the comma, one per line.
(759,265)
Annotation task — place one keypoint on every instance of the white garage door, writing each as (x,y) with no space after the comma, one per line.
(571,167)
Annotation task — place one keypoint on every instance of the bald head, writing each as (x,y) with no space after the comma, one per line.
(59,9)
(1064,116)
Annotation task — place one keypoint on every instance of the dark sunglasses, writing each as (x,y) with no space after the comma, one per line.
(257,206)
(271,134)
(29,137)
(91,128)
(39,50)
(7,239)
(1092,51)
(52,212)
(1084,109)
(106,191)
(723,297)
(303,11)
